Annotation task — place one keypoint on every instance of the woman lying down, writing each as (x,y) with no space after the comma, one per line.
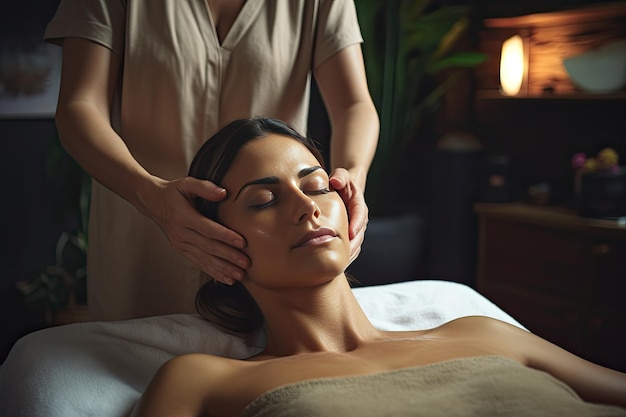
(323,357)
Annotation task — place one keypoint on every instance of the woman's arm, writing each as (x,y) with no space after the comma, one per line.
(88,83)
(592,382)
(355,127)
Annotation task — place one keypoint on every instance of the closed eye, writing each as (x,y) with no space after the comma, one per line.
(318,192)
(272,201)
(264,205)
(263,200)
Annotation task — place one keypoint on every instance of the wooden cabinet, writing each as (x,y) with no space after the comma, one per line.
(562,276)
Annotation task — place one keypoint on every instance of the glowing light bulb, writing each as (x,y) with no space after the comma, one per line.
(512,65)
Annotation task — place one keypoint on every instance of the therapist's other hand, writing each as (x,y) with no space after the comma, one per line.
(214,248)
(353,197)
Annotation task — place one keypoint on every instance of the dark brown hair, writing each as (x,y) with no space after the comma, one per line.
(232,307)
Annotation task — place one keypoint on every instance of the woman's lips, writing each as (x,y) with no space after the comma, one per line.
(316,237)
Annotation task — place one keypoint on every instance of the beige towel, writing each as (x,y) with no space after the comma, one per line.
(479,386)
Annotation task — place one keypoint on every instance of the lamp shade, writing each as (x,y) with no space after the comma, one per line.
(512,65)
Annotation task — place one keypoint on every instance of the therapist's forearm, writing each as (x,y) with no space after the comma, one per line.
(89,138)
(354,140)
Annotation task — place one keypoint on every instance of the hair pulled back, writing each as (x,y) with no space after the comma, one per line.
(231,306)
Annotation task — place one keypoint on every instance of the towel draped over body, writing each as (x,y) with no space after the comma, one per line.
(476,386)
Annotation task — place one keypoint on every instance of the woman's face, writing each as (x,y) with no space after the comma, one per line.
(279,200)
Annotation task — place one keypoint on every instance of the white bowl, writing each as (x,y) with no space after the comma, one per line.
(601,70)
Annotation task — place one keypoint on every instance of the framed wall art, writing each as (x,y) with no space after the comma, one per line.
(30,69)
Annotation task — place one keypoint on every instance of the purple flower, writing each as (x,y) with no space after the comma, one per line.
(578,160)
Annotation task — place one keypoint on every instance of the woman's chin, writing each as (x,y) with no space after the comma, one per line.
(308,276)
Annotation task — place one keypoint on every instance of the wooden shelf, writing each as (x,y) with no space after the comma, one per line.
(496,95)
(552,216)
(549,39)
(563,17)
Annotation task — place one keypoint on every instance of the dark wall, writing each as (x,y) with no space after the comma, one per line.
(31,203)
(32,220)
(31,200)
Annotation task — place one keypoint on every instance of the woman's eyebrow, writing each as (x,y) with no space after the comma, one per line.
(306,171)
(266,180)
(274,180)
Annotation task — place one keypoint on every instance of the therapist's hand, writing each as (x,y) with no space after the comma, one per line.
(212,247)
(353,197)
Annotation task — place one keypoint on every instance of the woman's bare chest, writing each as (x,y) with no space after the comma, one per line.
(378,357)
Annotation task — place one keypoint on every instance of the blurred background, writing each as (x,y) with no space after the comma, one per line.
(450,141)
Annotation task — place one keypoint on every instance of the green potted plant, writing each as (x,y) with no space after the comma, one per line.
(411,64)
(64,283)
(412,61)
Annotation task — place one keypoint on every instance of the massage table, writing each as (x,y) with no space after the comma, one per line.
(101,368)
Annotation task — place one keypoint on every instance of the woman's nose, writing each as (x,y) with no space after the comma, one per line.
(305,208)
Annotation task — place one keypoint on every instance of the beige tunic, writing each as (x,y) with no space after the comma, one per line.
(179,85)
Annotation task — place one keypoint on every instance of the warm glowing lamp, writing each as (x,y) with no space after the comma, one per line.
(512,65)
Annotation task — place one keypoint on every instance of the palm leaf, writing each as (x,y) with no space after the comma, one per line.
(407,45)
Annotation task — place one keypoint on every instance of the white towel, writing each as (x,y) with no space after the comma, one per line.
(101,368)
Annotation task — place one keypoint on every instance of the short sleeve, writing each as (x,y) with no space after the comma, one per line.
(338,27)
(101,21)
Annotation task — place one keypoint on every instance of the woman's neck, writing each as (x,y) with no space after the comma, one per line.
(324,318)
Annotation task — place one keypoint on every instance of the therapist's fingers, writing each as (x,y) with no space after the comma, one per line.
(358,211)
(212,247)
(358,214)
(220,261)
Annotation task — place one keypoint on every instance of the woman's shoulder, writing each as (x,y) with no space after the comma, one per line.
(493,335)
(197,359)
(494,331)
(185,384)
(480,323)
(467,325)
(199,369)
